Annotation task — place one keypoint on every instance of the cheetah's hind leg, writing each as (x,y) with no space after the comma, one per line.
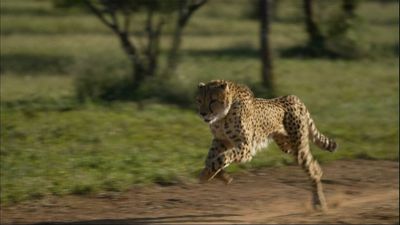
(319,202)
(313,169)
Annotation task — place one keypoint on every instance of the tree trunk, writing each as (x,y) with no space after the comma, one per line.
(185,11)
(349,7)
(173,59)
(267,77)
(274,5)
(316,39)
(138,73)
(152,45)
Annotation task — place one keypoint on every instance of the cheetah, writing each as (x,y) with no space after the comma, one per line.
(241,125)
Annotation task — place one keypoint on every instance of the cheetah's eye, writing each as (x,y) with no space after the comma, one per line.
(215,101)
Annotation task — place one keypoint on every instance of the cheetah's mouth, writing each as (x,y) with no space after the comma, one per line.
(207,120)
(210,118)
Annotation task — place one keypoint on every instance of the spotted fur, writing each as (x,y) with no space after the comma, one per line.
(242,124)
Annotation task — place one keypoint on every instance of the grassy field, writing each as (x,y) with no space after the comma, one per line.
(52,144)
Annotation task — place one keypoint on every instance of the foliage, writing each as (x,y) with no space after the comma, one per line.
(344,38)
(107,81)
(333,30)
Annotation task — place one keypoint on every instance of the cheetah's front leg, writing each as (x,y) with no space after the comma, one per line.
(218,158)
(207,175)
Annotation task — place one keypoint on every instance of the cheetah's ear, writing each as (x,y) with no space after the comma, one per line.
(201,85)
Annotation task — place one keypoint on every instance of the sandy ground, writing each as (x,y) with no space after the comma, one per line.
(357,191)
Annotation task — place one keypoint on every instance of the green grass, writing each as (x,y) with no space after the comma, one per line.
(52,144)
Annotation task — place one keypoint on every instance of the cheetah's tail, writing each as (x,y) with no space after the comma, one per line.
(319,139)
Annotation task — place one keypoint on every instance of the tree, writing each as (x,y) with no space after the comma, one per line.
(349,7)
(316,39)
(265,53)
(185,11)
(336,40)
(118,16)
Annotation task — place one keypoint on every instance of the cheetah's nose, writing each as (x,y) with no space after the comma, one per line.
(203,114)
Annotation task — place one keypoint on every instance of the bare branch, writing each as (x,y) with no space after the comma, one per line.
(157,32)
(115,20)
(160,24)
(196,4)
(149,31)
(187,10)
(149,22)
(127,20)
(100,15)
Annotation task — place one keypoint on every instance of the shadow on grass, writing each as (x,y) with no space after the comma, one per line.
(396,49)
(345,53)
(6,11)
(29,106)
(232,52)
(388,22)
(203,219)
(35,63)
(307,52)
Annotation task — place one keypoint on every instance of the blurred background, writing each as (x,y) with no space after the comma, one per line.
(99,95)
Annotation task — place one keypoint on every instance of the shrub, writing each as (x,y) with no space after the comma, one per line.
(343,38)
(99,79)
(169,91)
(103,77)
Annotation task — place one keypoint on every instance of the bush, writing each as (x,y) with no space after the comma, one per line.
(341,32)
(343,38)
(105,78)
(103,87)
(169,91)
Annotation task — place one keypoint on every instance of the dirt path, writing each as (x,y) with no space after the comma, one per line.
(357,191)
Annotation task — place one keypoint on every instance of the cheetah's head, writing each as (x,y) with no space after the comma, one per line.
(213,100)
